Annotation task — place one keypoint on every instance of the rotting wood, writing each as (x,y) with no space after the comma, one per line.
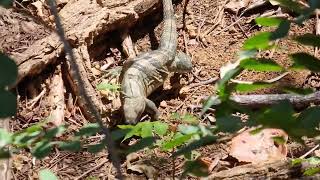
(5,164)
(256,100)
(82,26)
(57,100)
(278,169)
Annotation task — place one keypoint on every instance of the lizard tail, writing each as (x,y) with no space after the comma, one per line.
(168,39)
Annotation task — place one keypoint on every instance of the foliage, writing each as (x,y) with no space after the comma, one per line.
(8,76)
(46,174)
(189,134)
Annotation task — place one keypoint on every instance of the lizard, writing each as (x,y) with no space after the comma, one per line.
(146,72)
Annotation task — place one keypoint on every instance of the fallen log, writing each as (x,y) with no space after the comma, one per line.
(261,100)
(82,25)
(278,170)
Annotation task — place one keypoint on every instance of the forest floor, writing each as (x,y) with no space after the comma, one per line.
(219,47)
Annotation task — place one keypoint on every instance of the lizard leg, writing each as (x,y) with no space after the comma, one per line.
(181,63)
(152,109)
(113,73)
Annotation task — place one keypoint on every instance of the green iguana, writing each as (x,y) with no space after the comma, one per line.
(146,72)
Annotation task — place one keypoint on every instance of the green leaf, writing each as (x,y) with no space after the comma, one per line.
(73,146)
(290,4)
(8,70)
(126,126)
(297,161)
(6,3)
(223,89)
(42,149)
(299,91)
(212,100)
(281,31)
(314,160)
(228,123)
(160,128)
(141,144)
(308,39)
(279,115)
(34,128)
(108,86)
(264,65)
(89,129)
(252,87)
(279,140)
(247,54)
(46,174)
(305,60)
(177,141)
(54,132)
(97,147)
(175,116)
(188,129)
(5,137)
(4,153)
(8,103)
(314,4)
(134,131)
(259,41)
(189,118)
(25,139)
(146,129)
(268,21)
(118,134)
(196,168)
(307,122)
(195,145)
(312,171)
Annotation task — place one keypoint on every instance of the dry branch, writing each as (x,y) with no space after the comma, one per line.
(279,170)
(256,101)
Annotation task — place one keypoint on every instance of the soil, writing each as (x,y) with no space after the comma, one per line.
(208,56)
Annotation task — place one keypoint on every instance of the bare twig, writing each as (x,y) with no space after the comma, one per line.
(257,101)
(309,152)
(110,144)
(226,28)
(36,99)
(209,81)
(317,30)
(266,81)
(184,13)
(92,169)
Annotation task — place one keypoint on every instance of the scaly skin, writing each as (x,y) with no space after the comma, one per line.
(145,73)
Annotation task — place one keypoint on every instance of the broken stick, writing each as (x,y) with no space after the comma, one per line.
(256,101)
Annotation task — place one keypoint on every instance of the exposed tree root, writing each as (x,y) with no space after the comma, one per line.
(57,100)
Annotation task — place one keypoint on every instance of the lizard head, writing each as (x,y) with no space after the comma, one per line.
(133,108)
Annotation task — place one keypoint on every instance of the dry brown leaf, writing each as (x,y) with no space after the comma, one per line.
(260,147)
(39,8)
(148,170)
(236,5)
(317,153)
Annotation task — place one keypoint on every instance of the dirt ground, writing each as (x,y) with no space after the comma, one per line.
(219,47)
